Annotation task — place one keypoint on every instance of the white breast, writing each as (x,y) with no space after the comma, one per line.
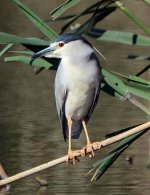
(81,81)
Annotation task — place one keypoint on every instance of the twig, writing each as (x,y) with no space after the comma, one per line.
(64,158)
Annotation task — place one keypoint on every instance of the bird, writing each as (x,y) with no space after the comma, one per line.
(77,86)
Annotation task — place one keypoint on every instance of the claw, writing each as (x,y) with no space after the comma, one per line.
(83,152)
(72,157)
(90,147)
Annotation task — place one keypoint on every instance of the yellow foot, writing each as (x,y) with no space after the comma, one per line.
(72,157)
(89,148)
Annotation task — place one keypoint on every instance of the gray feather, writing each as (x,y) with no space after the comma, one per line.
(61,93)
(60,98)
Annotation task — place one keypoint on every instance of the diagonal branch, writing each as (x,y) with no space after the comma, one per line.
(63,159)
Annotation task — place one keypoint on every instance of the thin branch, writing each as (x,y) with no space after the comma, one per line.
(63,159)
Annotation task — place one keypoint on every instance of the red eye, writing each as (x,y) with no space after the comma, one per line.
(61,44)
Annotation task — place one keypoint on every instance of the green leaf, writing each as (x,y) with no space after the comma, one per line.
(133,78)
(133,17)
(30,53)
(106,163)
(139,104)
(136,86)
(28,60)
(116,83)
(137,57)
(147,1)
(39,23)
(112,92)
(120,37)
(114,133)
(103,12)
(62,8)
(146,68)
(6,48)
(6,38)
(127,88)
(145,94)
(103,164)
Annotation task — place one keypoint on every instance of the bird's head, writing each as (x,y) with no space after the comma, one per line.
(66,45)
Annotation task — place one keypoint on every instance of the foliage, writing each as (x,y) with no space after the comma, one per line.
(115,84)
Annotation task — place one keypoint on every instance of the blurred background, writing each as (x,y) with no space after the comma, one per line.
(30,132)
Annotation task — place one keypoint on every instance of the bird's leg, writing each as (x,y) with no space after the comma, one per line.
(89,143)
(71,154)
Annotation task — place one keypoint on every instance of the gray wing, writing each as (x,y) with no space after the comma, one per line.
(93,104)
(60,98)
(61,93)
(97,89)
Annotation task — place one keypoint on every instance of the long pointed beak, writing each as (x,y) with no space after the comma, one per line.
(43,52)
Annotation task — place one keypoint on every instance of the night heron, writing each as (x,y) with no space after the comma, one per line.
(77,85)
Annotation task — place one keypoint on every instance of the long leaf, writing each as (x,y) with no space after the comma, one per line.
(133,17)
(102,13)
(62,8)
(86,11)
(114,133)
(138,57)
(6,48)
(37,62)
(147,1)
(120,37)
(41,25)
(103,164)
(112,92)
(106,163)
(116,83)
(145,94)
(146,68)
(25,52)
(90,24)
(139,104)
(6,38)
(127,88)
(133,78)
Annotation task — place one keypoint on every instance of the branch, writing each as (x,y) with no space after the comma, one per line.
(63,159)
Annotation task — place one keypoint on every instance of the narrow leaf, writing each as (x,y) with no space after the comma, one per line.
(107,162)
(112,92)
(28,60)
(6,48)
(119,37)
(137,57)
(139,104)
(116,83)
(133,78)
(10,38)
(147,1)
(62,8)
(114,133)
(30,53)
(143,70)
(103,164)
(102,13)
(133,17)
(40,24)
(145,94)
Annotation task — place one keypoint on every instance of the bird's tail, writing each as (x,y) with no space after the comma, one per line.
(76,130)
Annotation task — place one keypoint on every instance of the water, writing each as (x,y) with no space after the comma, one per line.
(29,128)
